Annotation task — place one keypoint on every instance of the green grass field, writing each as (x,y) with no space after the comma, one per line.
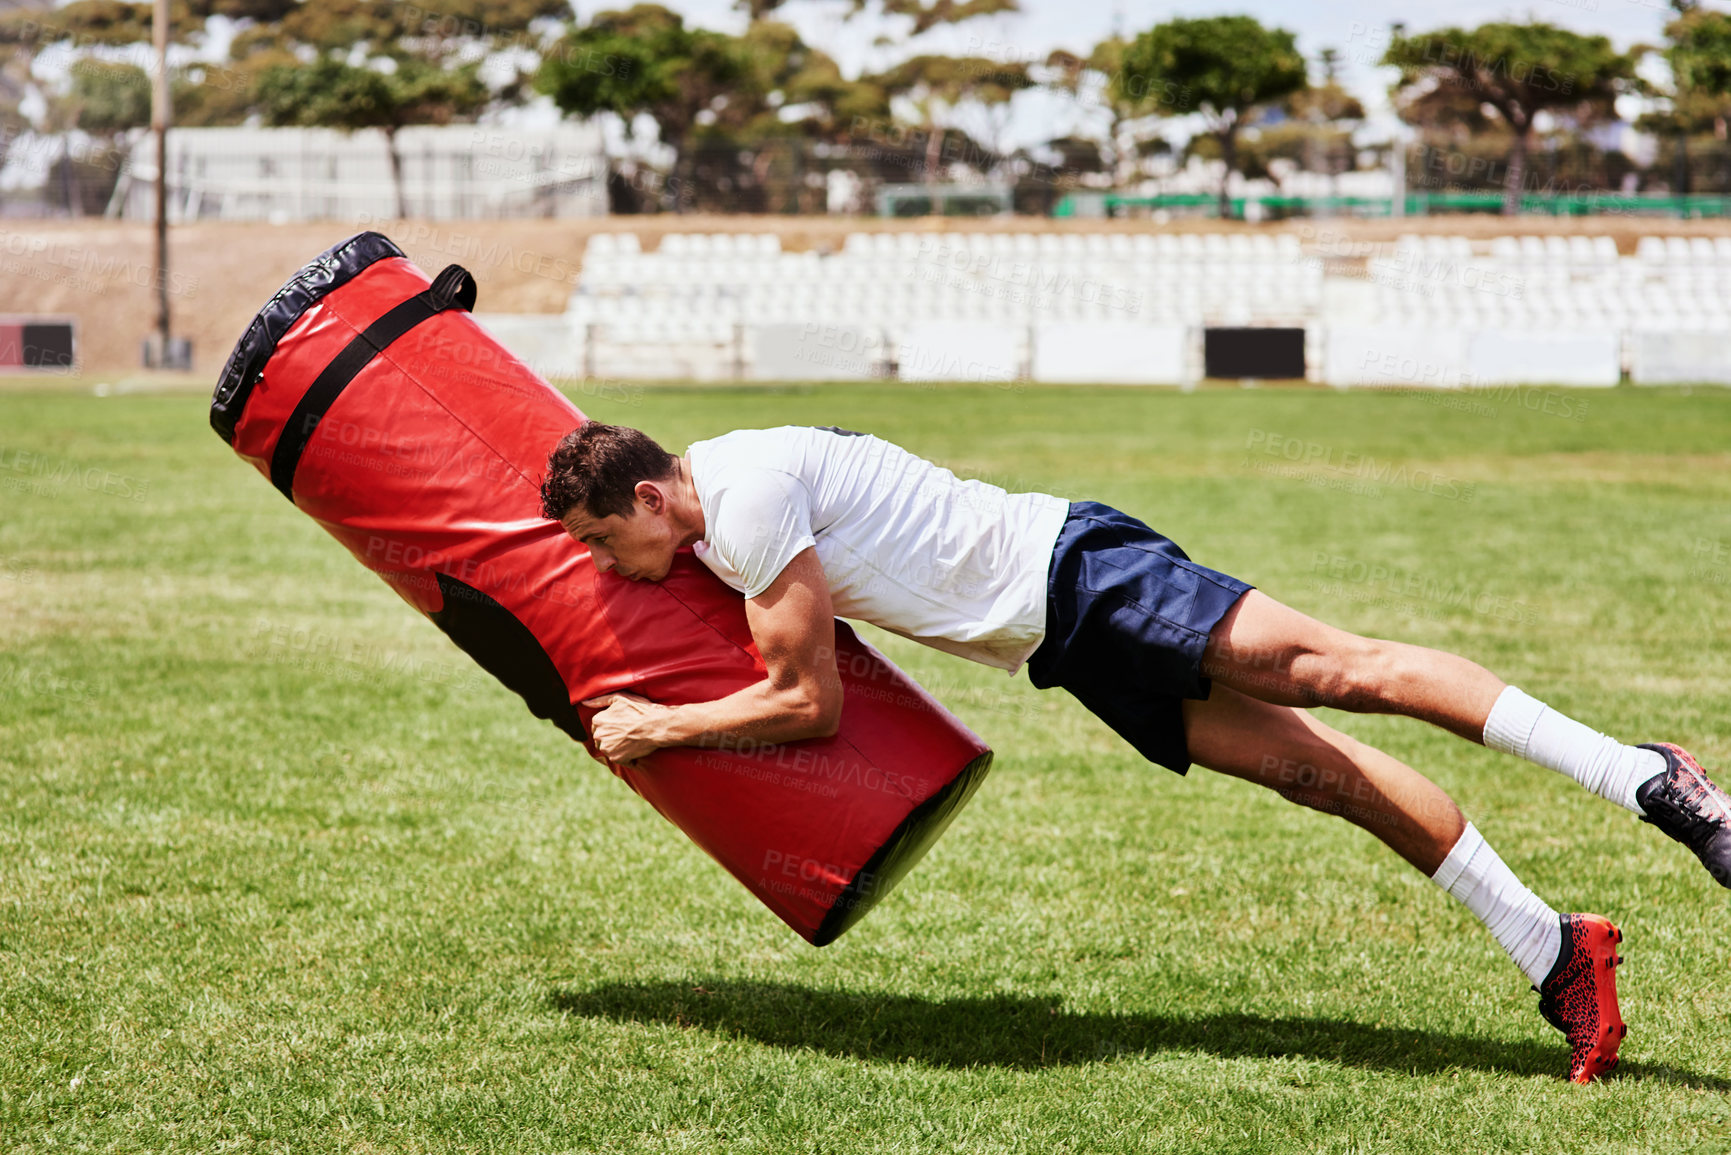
(281,871)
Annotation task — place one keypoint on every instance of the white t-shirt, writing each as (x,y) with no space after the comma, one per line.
(906,545)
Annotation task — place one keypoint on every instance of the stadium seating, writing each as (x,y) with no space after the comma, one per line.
(1131,307)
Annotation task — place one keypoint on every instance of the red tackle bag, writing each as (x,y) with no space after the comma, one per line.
(373,400)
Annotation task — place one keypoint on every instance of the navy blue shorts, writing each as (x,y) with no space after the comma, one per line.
(1127,616)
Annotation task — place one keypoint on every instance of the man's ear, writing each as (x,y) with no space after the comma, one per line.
(651,495)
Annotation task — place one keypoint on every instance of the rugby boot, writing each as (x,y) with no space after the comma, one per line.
(1684,803)
(1579,996)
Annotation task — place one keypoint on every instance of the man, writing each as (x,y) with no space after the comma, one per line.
(1185,663)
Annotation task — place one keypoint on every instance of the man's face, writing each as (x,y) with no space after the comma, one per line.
(639,546)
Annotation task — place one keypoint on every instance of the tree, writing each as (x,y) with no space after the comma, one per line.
(202,93)
(798,85)
(1514,71)
(103,97)
(26,31)
(206,94)
(755,150)
(1134,107)
(933,87)
(1087,82)
(355,64)
(107,99)
(1699,100)
(1319,123)
(454,36)
(1225,67)
(752,102)
(1699,53)
(334,94)
(645,60)
(923,14)
(86,22)
(1314,134)
(361,63)
(104,100)
(14,87)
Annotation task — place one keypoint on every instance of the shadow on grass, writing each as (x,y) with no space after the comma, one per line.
(1026,1032)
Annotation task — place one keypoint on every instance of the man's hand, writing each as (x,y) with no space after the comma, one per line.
(627,727)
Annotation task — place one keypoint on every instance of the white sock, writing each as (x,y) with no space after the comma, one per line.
(1527,728)
(1521,922)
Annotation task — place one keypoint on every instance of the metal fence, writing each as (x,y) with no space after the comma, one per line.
(455,172)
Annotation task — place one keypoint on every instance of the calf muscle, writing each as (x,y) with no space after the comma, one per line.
(1307,762)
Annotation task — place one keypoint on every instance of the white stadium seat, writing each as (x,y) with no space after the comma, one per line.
(1065,305)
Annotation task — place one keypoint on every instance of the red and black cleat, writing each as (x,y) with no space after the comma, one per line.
(1579,996)
(1684,803)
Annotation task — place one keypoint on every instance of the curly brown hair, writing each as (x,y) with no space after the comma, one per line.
(597,467)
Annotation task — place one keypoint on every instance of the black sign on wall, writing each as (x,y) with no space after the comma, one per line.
(48,345)
(1253,352)
(33,344)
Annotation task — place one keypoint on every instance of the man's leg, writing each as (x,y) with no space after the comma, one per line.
(1305,761)
(1569,958)
(1271,651)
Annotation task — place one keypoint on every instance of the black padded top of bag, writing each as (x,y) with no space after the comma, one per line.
(334,268)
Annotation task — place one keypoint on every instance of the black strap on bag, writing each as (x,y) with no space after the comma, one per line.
(452,288)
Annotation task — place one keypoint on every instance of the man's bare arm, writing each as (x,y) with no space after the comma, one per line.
(793,624)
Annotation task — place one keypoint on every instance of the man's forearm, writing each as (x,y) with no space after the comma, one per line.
(758,712)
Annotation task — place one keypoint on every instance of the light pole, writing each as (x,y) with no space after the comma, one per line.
(159,125)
